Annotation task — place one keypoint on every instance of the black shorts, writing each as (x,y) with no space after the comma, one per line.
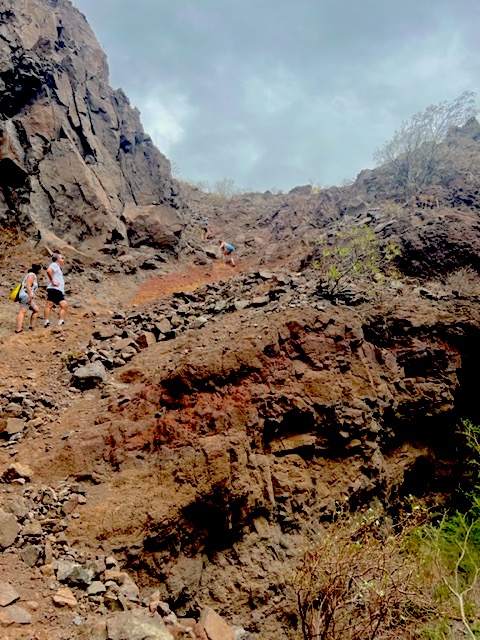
(55,296)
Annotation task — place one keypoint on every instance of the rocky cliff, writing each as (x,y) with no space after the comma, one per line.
(75,164)
(170,451)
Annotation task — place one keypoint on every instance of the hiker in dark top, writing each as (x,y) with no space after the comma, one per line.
(205,229)
(227,250)
(26,298)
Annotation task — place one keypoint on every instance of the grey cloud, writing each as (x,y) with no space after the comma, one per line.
(274,93)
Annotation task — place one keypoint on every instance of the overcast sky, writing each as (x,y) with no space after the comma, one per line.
(278,93)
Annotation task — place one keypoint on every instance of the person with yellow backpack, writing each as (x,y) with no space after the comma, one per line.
(26,297)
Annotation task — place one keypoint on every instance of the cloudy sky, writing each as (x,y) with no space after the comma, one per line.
(277,93)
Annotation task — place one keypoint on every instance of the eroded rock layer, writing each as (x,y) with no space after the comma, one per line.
(235,435)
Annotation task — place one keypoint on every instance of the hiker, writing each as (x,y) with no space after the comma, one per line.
(55,290)
(205,229)
(26,298)
(227,250)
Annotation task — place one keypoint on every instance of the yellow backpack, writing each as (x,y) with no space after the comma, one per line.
(14,293)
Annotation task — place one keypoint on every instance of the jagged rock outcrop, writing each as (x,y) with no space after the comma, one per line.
(437,230)
(73,153)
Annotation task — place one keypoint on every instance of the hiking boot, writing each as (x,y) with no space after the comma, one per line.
(46,323)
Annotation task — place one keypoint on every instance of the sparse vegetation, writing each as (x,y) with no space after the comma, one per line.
(461,283)
(220,191)
(392,209)
(415,156)
(315,186)
(73,359)
(358,583)
(449,551)
(319,185)
(367,578)
(464,282)
(352,255)
(450,556)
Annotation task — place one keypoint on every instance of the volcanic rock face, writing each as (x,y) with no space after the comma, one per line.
(248,411)
(73,152)
(205,438)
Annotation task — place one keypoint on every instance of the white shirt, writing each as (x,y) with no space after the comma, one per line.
(58,277)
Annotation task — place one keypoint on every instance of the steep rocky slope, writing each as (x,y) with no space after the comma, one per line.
(204,438)
(168,454)
(437,230)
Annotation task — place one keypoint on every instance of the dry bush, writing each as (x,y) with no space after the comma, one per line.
(464,282)
(358,583)
(393,209)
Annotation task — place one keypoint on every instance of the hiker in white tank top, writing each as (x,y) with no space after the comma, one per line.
(55,290)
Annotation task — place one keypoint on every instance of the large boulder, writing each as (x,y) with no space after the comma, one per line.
(159,226)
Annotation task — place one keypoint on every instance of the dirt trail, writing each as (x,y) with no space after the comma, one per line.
(33,364)
(188,279)
(35,357)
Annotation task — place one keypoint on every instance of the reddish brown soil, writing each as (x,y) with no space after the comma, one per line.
(188,280)
(37,359)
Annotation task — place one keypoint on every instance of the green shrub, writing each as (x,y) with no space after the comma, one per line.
(352,255)
(448,552)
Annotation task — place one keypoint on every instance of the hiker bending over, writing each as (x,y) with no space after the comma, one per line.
(26,298)
(55,290)
(227,250)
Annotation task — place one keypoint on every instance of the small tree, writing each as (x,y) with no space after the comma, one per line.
(351,255)
(415,155)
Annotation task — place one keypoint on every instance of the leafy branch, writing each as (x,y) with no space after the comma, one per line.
(351,255)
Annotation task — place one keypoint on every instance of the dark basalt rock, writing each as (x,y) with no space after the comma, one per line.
(73,153)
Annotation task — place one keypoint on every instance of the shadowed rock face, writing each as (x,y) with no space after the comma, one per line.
(73,153)
(235,442)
